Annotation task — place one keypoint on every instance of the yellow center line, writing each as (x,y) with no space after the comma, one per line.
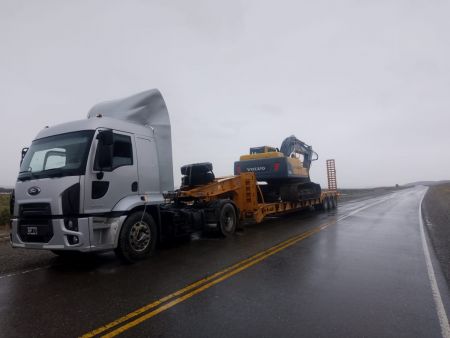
(197,287)
(204,287)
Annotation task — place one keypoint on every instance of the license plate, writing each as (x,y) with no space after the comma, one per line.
(32,231)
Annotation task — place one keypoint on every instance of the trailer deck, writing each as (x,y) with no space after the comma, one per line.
(243,190)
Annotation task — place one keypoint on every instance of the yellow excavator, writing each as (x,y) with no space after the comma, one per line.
(283,173)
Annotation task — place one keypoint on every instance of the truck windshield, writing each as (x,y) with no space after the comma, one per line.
(59,155)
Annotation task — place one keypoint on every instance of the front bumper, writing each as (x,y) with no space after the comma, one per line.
(94,234)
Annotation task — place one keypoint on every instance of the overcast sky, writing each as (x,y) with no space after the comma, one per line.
(364,82)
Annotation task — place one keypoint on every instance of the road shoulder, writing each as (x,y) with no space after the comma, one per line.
(436,214)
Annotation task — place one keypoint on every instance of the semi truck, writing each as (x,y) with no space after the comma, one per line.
(106,183)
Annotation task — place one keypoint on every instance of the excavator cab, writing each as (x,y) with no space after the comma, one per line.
(264,149)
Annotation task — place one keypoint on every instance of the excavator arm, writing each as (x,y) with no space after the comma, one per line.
(292,144)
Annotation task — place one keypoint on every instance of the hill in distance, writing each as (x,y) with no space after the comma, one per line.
(427,183)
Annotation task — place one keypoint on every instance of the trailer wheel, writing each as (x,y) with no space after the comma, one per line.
(330,203)
(326,204)
(227,220)
(334,199)
(137,239)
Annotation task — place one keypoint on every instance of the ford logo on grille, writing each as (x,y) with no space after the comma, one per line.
(34,191)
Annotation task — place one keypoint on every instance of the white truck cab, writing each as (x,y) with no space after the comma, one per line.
(80,181)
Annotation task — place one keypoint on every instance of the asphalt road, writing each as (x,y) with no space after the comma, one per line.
(363,270)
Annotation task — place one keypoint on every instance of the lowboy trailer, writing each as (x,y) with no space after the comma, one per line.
(244,193)
(226,202)
(106,183)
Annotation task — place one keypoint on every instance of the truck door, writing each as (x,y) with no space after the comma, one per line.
(148,169)
(103,189)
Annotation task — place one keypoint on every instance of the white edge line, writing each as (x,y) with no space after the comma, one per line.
(440,309)
(24,271)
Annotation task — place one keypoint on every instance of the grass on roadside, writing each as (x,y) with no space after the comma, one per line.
(4,209)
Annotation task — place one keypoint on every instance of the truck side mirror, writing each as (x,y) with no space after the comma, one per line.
(24,152)
(106,137)
(104,157)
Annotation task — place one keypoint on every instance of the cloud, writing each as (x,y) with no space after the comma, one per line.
(363,82)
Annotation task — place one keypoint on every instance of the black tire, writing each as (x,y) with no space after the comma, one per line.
(227,222)
(137,239)
(332,203)
(326,204)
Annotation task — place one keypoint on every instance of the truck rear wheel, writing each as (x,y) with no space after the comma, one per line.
(137,239)
(227,220)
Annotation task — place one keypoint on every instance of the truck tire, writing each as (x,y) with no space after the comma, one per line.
(326,204)
(137,239)
(332,205)
(227,220)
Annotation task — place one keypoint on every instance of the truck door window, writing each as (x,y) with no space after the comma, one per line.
(122,151)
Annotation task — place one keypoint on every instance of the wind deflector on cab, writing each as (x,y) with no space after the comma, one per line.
(146,109)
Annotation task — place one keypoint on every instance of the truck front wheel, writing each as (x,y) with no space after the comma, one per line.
(137,239)
(227,220)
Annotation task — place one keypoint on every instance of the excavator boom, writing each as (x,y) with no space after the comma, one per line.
(292,145)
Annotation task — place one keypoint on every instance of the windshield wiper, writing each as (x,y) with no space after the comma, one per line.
(54,172)
(26,175)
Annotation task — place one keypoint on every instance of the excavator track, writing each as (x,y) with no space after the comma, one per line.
(290,192)
(300,191)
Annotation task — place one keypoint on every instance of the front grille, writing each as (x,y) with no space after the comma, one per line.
(35,223)
(34,210)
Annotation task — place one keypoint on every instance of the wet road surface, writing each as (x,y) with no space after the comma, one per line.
(359,271)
